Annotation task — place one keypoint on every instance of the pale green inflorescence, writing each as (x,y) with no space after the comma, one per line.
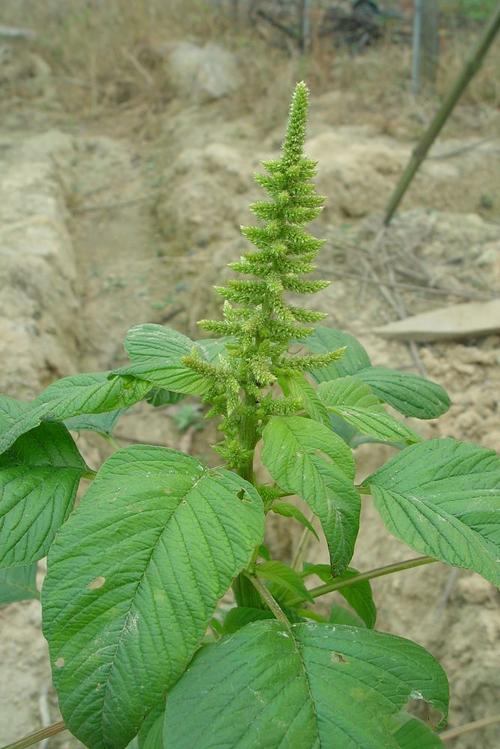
(261,323)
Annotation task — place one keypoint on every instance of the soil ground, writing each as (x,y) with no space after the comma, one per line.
(130,215)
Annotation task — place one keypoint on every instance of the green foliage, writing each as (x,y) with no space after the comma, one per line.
(442,498)
(141,646)
(18,584)
(308,459)
(39,477)
(358,595)
(356,403)
(157,538)
(274,679)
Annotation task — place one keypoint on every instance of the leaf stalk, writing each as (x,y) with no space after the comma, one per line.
(388,569)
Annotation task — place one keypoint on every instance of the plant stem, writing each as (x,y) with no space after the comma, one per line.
(269,601)
(35,738)
(476,725)
(248,438)
(388,569)
(302,545)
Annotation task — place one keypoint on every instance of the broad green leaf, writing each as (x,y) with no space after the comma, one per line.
(314,686)
(414,734)
(324,340)
(18,584)
(134,577)
(240,616)
(291,511)
(10,410)
(295,385)
(16,418)
(341,615)
(355,402)
(39,477)
(159,397)
(151,733)
(407,393)
(156,355)
(310,614)
(358,595)
(101,423)
(442,498)
(288,584)
(212,348)
(308,459)
(73,396)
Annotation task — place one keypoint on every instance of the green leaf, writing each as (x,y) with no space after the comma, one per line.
(315,685)
(341,615)
(354,401)
(442,498)
(101,423)
(39,477)
(414,734)
(358,595)
(324,340)
(151,733)
(18,584)
(288,584)
(134,577)
(407,393)
(240,616)
(308,459)
(291,511)
(309,614)
(159,397)
(156,353)
(295,385)
(212,348)
(73,396)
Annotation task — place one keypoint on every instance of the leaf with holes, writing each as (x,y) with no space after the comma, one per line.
(157,539)
(156,355)
(355,402)
(442,498)
(308,459)
(39,477)
(310,686)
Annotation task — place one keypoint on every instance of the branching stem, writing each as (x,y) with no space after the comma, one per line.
(388,569)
